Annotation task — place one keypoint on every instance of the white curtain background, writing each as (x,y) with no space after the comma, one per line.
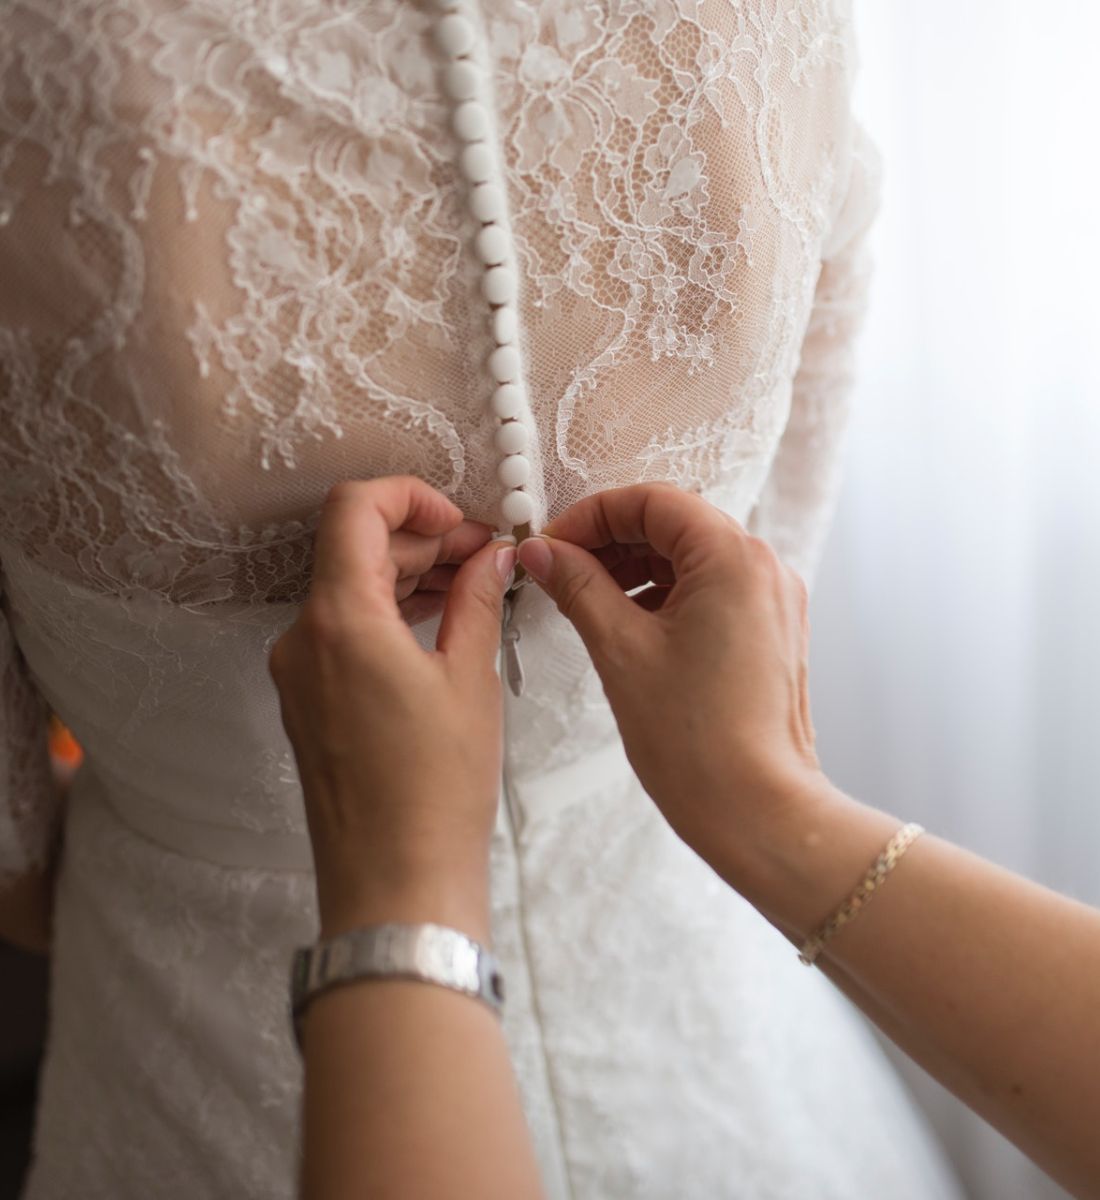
(957,649)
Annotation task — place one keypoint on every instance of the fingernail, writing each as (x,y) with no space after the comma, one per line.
(537,557)
(506,561)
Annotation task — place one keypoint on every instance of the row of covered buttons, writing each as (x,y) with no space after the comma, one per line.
(465,83)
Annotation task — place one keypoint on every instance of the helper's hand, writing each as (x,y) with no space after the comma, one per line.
(426,564)
(398,749)
(706,671)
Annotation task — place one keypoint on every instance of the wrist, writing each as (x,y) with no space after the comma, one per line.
(444,894)
(802,856)
(761,817)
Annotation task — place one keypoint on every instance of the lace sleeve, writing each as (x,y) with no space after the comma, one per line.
(29,797)
(796,506)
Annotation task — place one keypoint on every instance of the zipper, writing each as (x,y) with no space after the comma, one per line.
(511,663)
(556,1167)
(512,673)
(509,642)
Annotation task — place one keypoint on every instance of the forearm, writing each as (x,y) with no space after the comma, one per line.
(409,1087)
(410,1092)
(990,982)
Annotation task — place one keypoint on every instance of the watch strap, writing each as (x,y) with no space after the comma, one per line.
(428,953)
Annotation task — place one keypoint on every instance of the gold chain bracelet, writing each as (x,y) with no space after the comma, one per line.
(864,893)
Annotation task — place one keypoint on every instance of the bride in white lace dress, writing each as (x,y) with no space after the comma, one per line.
(238,263)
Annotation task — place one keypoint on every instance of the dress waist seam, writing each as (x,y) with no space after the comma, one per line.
(218,845)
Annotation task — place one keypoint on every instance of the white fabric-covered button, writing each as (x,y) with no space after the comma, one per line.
(471,121)
(514,470)
(518,508)
(476,163)
(508,401)
(505,325)
(512,437)
(492,246)
(454,35)
(504,364)
(487,202)
(498,285)
(461,80)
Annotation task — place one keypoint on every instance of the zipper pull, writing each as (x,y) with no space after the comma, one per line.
(513,664)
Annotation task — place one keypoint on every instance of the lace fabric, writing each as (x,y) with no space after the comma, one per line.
(234,270)
(233,249)
(232,244)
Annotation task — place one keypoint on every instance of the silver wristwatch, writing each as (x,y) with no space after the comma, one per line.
(431,953)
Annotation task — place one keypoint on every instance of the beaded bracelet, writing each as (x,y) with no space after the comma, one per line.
(872,881)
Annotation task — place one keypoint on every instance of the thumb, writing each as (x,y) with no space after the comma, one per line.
(583,590)
(470,628)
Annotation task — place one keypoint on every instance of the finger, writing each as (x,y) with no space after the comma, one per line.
(438,579)
(801,603)
(459,543)
(422,606)
(635,572)
(652,599)
(679,526)
(469,634)
(413,554)
(584,591)
(352,547)
(619,552)
(404,588)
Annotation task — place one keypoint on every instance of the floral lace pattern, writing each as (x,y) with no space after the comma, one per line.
(256,215)
(235,266)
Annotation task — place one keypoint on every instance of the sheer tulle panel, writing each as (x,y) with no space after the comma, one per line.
(234,243)
(263,285)
(672,190)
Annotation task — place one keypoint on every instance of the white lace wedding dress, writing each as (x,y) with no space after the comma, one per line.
(237,264)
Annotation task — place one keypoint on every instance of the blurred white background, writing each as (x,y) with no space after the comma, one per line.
(957,640)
